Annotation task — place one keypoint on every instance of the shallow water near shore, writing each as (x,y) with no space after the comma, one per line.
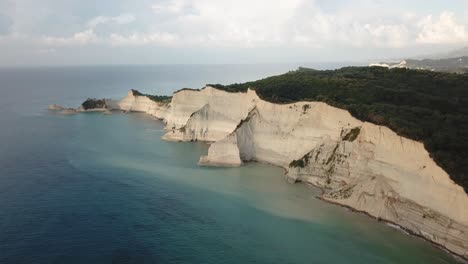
(94,188)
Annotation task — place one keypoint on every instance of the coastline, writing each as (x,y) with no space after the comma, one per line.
(459,258)
(392,224)
(400,228)
(189,117)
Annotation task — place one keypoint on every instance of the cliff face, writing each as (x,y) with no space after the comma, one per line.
(207,115)
(135,103)
(391,178)
(361,165)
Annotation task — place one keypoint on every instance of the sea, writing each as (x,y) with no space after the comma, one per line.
(94,188)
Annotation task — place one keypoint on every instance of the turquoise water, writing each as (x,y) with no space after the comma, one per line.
(93,188)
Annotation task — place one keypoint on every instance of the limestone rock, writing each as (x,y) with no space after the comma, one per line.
(358,164)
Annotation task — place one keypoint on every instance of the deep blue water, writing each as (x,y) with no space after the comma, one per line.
(93,188)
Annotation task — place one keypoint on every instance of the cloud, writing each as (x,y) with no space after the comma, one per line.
(5,24)
(88,37)
(47,51)
(173,6)
(441,31)
(79,38)
(242,24)
(143,39)
(273,23)
(119,20)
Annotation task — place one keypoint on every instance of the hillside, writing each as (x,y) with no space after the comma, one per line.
(454,65)
(431,107)
(462,52)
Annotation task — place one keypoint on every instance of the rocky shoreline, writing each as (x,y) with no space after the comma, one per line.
(358,165)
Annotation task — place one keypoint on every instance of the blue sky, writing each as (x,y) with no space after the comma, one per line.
(75,32)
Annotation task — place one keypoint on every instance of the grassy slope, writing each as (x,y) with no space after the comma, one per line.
(155,98)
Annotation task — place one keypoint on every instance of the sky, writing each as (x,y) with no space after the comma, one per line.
(83,32)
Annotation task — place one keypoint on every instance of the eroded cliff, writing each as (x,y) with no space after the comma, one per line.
(358,164)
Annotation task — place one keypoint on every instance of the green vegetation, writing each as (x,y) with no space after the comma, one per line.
(137,93)
(297,163)
(155,98)
(352,134)
(302,162)
(160,98)
(431,107)
(187,89)
(332,156)
(92,103)
(455,65)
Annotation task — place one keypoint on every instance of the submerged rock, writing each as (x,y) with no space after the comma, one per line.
(55,107)
(69,111)
(62,110)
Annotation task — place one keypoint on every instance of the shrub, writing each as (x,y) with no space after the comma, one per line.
(94,103)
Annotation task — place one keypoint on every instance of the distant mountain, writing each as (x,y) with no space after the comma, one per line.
(463,52)
(455,61)
(455,64)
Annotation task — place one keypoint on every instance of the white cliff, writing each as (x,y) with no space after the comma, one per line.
(401,64)
(358,164)
(206,115)
(223,153)
(390,178)
(138,103)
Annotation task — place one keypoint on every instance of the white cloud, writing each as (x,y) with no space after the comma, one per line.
(247,23)
(120,20)
(142,39)
(79,38)
(441,31)
(265,23)
(113,39)
(173,6)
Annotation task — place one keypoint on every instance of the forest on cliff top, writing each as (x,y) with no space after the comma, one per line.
(431,107)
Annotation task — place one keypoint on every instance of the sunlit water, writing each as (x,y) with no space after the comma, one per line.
(94,188)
